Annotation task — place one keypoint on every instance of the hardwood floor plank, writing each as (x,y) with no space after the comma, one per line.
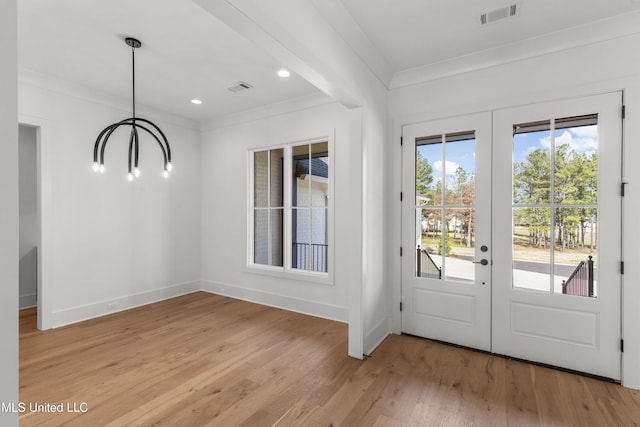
(204,359)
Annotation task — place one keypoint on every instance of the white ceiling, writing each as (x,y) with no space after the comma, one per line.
(414,33)
(188,53)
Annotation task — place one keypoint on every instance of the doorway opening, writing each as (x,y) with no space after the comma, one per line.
(30,225)
(29,217)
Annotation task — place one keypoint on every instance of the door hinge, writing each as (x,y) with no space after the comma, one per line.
(622,184)
(624,111)
(400,305)
(401,141)
(401,196)
(621,267)
(400,250)
(621,341)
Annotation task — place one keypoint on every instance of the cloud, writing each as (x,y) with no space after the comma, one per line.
(450,168)
(582,139)
(585,131)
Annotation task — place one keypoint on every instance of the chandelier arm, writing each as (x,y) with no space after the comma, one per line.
(131,138)
(164,138)
(110,129)
(128,122)
(96,147)
(164,152)
(137,147)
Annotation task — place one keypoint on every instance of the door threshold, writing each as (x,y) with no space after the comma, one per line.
(517,359)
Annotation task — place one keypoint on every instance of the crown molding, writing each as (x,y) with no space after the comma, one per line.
(595,32)
(85,93)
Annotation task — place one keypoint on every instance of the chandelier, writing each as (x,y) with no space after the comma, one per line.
(136,124)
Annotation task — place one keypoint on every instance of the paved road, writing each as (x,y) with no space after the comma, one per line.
(535,267)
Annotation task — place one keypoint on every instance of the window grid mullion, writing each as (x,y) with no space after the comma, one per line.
(288,221)
(552,197)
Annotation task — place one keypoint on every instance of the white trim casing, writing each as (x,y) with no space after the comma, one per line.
(286,271)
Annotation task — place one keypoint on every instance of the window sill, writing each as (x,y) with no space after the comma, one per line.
(296,275)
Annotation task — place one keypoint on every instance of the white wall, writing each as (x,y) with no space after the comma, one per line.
(8,211)
(29,224)
(110,244)
(224,211)
(596,68)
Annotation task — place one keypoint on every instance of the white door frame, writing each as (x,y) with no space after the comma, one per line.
(44,179)
(396,269)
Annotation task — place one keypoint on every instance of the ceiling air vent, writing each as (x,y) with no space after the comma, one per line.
(498,14)
(240,86)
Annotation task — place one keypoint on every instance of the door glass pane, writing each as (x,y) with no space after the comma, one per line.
(554,239)
(575,251)
(459,244)
(576,160)
(531,248)
(429,171)
(532,163)
(460,153)
(445,181)
(429,243)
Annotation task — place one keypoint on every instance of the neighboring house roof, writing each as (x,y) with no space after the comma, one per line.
(319,167)
(421,199)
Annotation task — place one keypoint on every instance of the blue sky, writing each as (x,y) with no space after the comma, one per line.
(582,139)
(459,153)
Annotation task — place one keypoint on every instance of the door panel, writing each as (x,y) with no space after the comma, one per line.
(556,294)
(446,165)
(540,206)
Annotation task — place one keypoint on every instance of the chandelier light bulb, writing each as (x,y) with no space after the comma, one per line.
(101,168)
(169,167)
(136,172)
(96,166)
(130,177)
(165,174)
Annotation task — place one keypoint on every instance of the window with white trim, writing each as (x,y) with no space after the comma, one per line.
(289,207)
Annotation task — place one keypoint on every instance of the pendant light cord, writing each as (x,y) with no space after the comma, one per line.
(133,79)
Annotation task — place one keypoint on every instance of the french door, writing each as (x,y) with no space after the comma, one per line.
(446,230)
(516,232)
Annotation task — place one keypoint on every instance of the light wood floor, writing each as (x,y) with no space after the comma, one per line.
(203,359)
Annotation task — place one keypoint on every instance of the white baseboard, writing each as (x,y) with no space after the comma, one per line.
(28,301)
(298,305)
(373,339)
(90,311)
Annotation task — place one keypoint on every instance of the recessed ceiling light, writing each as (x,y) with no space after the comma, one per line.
(284,73)
(196,101)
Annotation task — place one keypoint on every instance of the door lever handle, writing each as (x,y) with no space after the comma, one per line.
(482,261)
